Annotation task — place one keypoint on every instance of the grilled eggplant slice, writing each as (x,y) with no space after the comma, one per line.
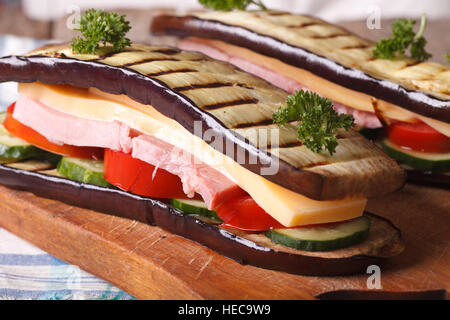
(325,50)
(188,86)
(247,248)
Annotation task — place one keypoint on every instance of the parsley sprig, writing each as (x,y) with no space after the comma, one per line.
(98,26)
(447,55)
(403,37)
(318,120)
(227,5)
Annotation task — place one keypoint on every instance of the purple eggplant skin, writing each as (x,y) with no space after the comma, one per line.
(426,178)
(354,79)
(156,212)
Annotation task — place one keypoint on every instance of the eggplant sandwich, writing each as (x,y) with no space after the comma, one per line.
(407,96)
(173,138)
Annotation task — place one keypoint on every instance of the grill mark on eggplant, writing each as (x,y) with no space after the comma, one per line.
(285,145)
(230,103)
(315,164)
(360,46)
(203,86)
(302,25)
(242,85)
(331,36)
(108,55)
(288,145)
(410,64)
(162,73)
(275,14)
(245,125)
(169,51)
(198,60)
(147,60)
(113,53)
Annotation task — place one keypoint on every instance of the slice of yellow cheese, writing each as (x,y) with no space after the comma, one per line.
(347,97)
(287,207)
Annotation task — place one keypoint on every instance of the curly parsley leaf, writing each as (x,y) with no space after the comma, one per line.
(98,26)
(227,5)
(403,37)
(448,57)
(319,122)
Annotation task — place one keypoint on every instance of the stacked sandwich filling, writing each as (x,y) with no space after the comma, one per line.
(409,98)
(89,118)
(431,153)
(289,80)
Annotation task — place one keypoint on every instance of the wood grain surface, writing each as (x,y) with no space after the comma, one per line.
(150,263)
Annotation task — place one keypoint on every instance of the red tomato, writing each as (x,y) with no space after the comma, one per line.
(418,137)
(245,214)
(35,138)
(139,177)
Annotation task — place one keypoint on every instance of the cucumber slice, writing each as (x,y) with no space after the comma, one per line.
(323,237)
(89,171)
(14,149)
(435,162)
(195,207)
(49,157)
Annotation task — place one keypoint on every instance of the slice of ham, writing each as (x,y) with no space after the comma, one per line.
(62,128)
(362,118)
(196,176)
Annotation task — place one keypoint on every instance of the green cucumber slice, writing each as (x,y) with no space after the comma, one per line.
(14,149)
(89,171)
(435,162)
(195,207)
(325,237)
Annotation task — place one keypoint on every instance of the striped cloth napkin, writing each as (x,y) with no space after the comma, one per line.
(27,272)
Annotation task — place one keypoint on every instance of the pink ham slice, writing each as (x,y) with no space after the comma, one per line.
(362,118)
(196,176)
(62,128)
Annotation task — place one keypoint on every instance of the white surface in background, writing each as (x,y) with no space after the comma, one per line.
(10,244)
(10,45)
(333,10)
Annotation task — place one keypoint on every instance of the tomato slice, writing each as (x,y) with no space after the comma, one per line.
(245,214)
(139,177)
(418,137)
(35,138)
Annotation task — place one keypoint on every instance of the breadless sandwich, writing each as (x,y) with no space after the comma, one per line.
(374,82)
(179,140)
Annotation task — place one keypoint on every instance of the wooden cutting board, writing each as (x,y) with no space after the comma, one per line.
(150,263)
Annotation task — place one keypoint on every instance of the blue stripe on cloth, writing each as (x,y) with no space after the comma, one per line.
(50,279)
(63,295)
(29,260)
